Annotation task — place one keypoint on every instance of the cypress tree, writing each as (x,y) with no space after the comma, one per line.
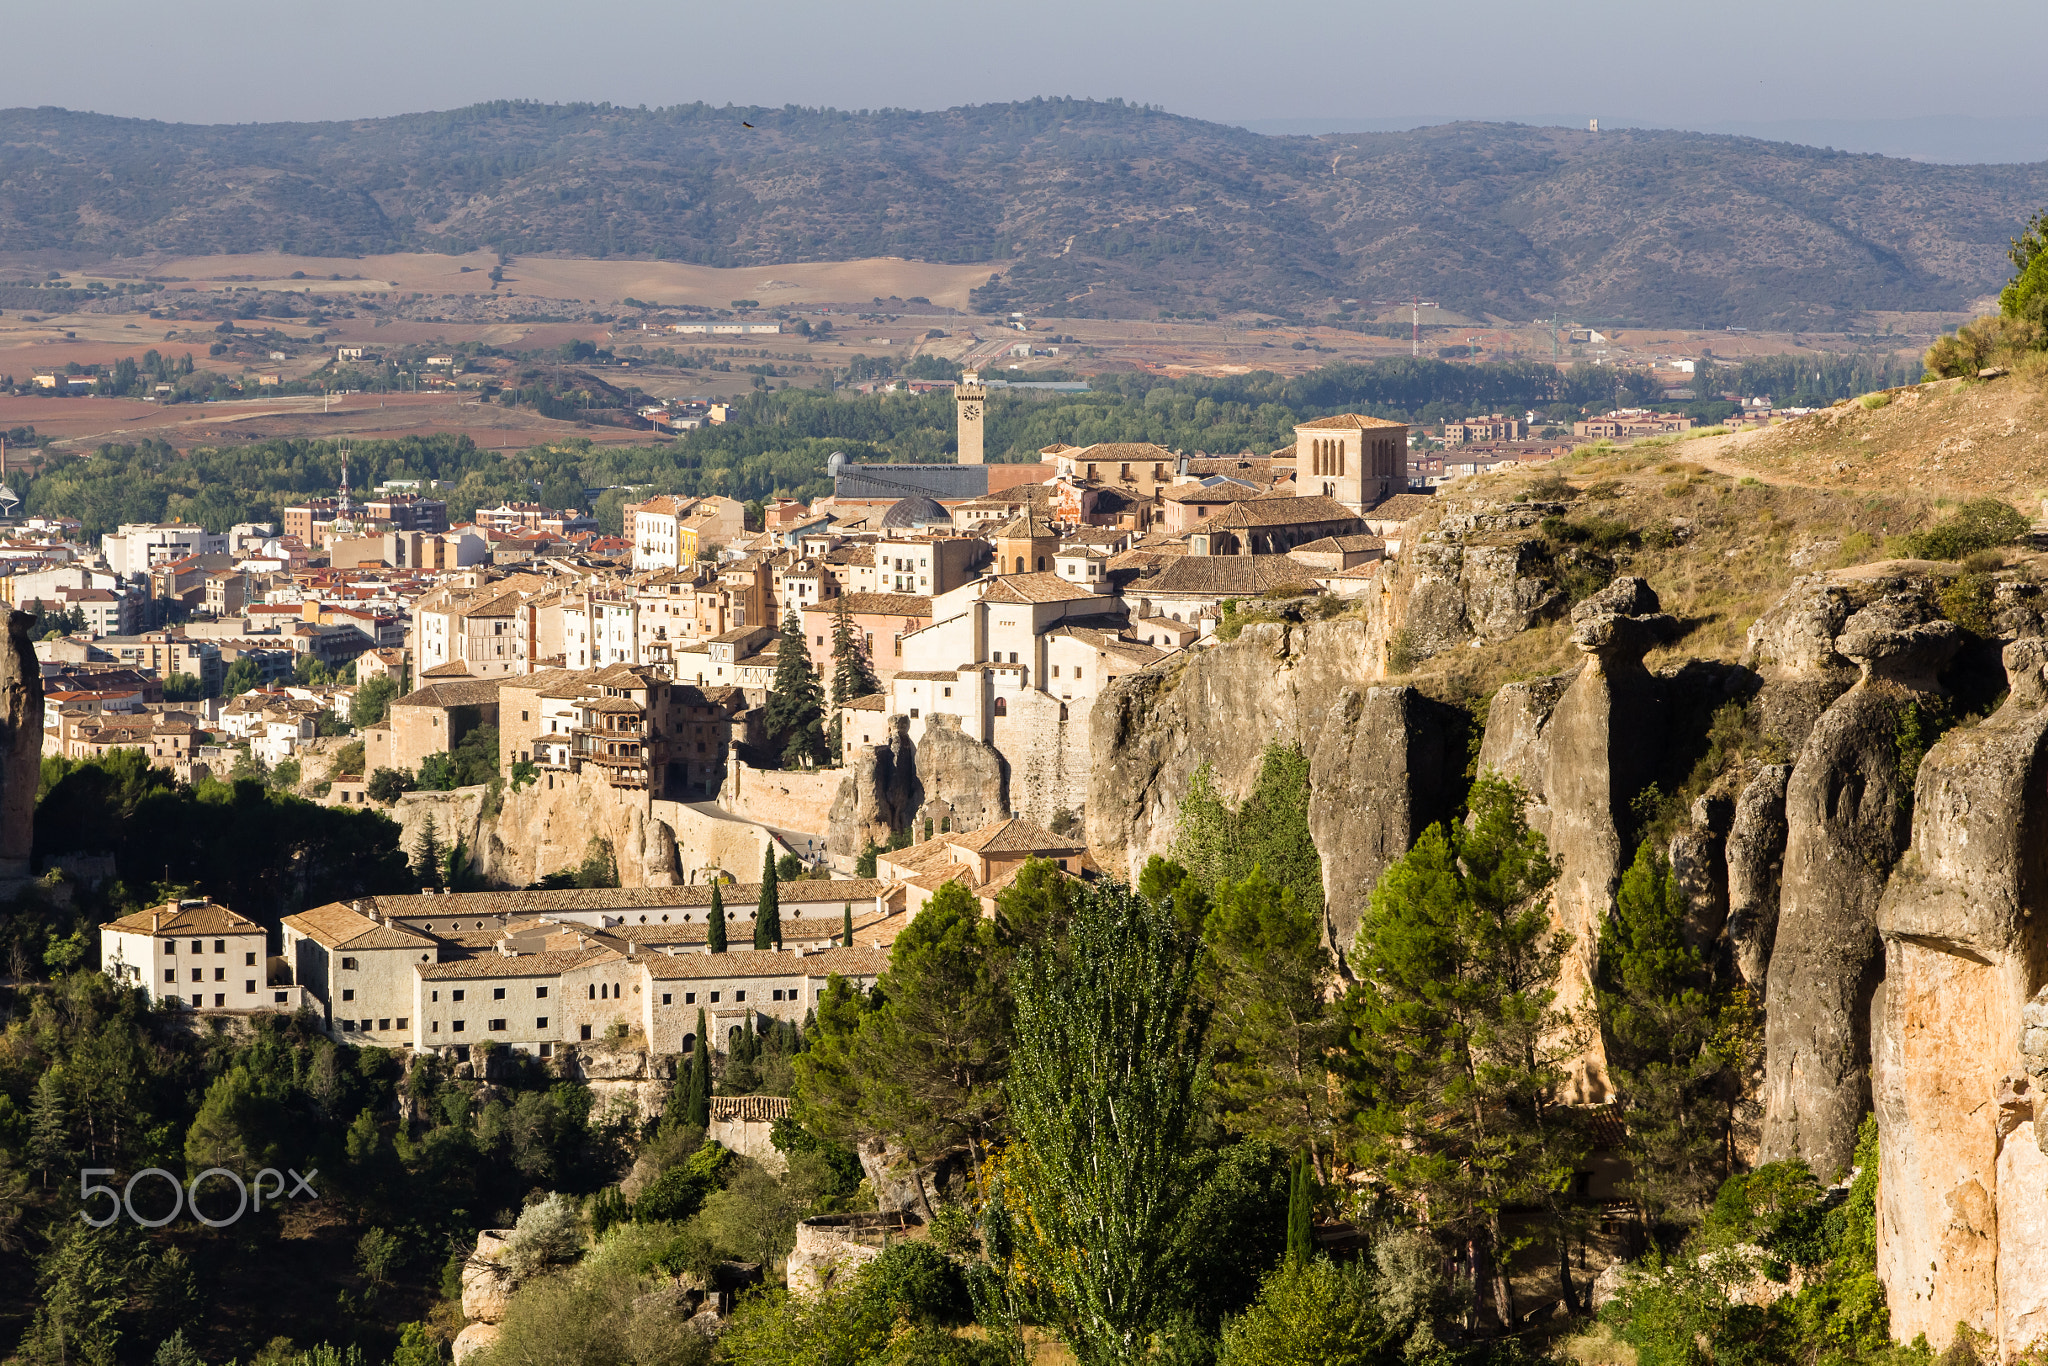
(427,854)
(697,1108)
(846,928)
(1301,1242)
(768,914)
(715,937)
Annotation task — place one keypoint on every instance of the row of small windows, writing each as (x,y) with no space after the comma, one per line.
(199,946)
(1326,457)
(199,975)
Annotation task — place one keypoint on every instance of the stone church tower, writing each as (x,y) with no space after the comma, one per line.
(1359,461)
(970,401)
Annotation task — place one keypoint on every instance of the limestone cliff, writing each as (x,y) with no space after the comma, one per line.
(876,798)
(547,827)
(947,775)
(1846,824)
(21,745)
(1584,746)
(1382,760)
(1961,1053)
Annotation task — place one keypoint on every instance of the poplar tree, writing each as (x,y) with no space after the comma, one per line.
(768,911)
(1106,1081)
(714,937)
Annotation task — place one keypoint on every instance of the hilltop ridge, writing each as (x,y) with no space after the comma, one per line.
(1085,208)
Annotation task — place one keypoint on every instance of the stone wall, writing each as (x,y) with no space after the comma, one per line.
(746,1124)
(1049,755)
(708,843)
(786,800)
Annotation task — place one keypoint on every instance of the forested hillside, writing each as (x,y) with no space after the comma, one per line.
(1096,208)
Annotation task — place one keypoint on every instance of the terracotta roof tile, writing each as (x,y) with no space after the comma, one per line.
(178,918)
(1347,422)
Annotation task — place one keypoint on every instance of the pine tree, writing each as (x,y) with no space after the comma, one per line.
(427,854)
(49,1124)
(714,937)
(768,913)
(796,704)
(852,676)
(846,928)
(1670,1041)
(1458,1048)
(1301,1240)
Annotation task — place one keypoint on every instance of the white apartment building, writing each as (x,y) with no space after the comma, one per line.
(137,546)
(194,954)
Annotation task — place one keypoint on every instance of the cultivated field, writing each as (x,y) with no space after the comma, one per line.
(601,282)
(87,422)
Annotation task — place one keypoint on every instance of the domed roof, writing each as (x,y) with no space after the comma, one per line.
(916,510)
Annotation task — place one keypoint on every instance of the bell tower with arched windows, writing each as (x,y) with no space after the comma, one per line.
(1359,461)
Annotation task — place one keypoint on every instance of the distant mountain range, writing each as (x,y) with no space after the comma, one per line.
(1100,208)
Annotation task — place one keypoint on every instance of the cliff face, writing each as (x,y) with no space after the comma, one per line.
(1846,824)
(21,744)
(901,784)
(546,828)
(1383,761)
(1896,932)
(1962,1033)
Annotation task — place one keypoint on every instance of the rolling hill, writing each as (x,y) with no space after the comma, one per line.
(1097,208)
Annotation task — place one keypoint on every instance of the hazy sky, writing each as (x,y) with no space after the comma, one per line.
(1695,65)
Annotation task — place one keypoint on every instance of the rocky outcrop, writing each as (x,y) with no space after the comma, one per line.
(1962,1034)
(877,796)
(1480,575)
(486,1281)
(1792,649)
(959,777)
(1382,760)
(1755,859)
(904,1185)
(1381,773)
(21,745)
(1846,815)
(548,826)
(1583,758)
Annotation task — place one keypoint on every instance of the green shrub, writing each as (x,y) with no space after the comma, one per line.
(1968,599)
(1980,524)
(917,1282)
(1596,531)
(1401,656)
(1310,1311)
(680,1192)
(1876,400)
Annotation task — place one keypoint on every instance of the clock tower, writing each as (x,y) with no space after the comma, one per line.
(970,401)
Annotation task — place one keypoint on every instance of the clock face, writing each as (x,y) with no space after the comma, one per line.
(970,410)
